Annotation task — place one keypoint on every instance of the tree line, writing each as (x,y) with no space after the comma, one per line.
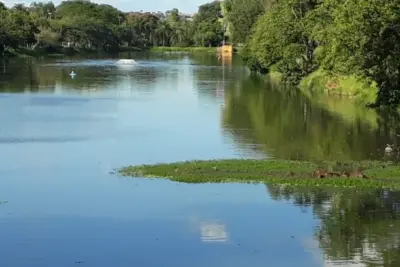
(81,24)
(334,37)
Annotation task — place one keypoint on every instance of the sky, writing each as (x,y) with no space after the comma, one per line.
(185,6)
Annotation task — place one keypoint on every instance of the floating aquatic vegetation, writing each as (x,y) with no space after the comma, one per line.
(370,174)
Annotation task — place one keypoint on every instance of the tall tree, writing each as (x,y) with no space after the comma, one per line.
(280,36)
(361,37)
(241,15)
(208,28)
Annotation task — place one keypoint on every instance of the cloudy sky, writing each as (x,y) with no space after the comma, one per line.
(188,6)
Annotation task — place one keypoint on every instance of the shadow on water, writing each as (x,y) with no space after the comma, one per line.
(354,226)
(286,124)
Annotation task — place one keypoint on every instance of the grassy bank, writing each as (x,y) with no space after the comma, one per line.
(184,49)
(366,174)
(320,83)
(24,52)
(130,49)
(274,74)
(58,52)
(347,100)
(43,52)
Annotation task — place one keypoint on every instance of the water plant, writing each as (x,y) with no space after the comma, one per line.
(363,174)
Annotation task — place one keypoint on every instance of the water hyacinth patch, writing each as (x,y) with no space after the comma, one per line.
(360,174)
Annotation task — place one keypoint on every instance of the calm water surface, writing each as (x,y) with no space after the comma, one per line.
(60,137)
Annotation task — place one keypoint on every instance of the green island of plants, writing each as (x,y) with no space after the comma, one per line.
(360,174)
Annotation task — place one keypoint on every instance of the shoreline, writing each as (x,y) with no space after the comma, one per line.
(63,52)
(189,49)
(356,174)
(319,83)
(316,84)
(359,89)
(192,49)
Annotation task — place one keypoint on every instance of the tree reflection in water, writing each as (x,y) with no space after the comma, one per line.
(284,123)
(355,225)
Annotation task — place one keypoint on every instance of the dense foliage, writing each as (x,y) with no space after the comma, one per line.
(337,37)
(240,16)
(85,25)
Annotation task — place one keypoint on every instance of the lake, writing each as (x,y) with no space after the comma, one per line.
(61,137)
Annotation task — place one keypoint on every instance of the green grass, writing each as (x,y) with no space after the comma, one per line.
(349,86)
(129,49)
(20,52)
(183,49)
(274,74)
(298,173)
(23,52)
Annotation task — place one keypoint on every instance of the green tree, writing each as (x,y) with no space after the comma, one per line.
(208,27)
(173,16)
(361,37)
(16,28)
(280,37)
(182,33)
(81,24)
(341,37)
(240,15)
(163,32)
(87,25)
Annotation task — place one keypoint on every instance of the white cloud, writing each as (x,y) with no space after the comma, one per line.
(213,232)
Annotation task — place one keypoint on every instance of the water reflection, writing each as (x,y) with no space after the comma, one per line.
(213,232)
(287,124)
(152,72)
(59,145)
(360,227)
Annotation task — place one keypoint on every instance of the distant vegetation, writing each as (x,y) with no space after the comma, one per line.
(82,25)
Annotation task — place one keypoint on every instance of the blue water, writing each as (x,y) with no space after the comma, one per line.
(65,207)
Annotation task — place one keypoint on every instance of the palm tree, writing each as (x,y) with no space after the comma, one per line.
(163,32)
